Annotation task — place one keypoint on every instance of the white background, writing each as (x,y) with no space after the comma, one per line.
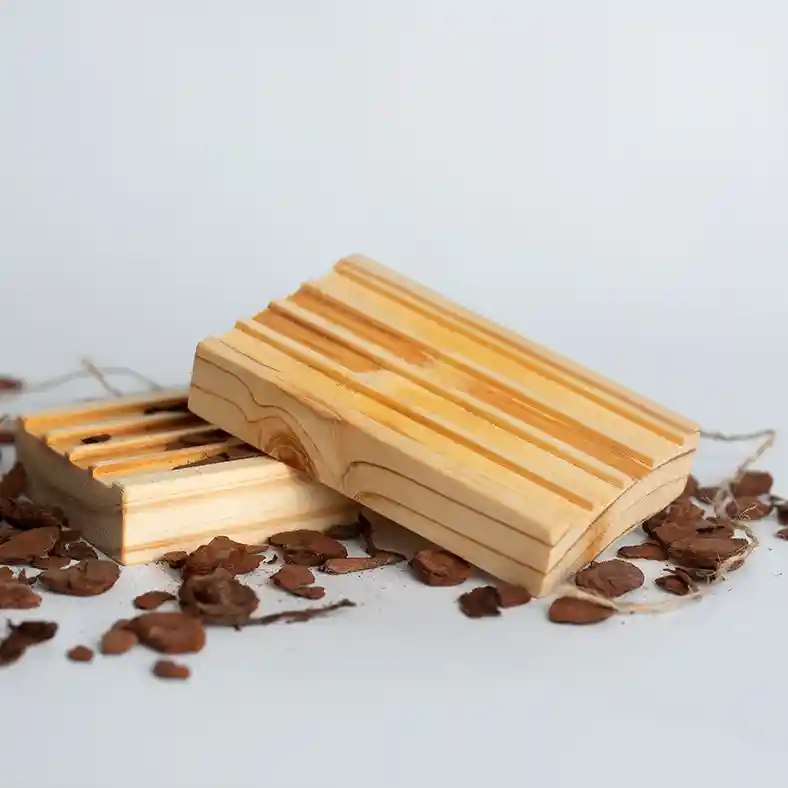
(608,177)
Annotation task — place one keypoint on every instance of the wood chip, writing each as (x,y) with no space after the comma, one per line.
(167,669)
(221,553)
(13,484)
(782,533)
(80,654)
(749,509)
(690,488)
(78,551)
(169,633)
(307,548)
(174,559)
(568,610)
(512,596)
(25,546)
(24,635)
(17,596)
(150,600)
(50,562)
(297,580)
(118,640)
(705,552)
(678,583)
(480,602)
(439,568)
(647,551)
(345,531)
(87,578)
(218,598)
(10,384)
(753,484)
(610,578)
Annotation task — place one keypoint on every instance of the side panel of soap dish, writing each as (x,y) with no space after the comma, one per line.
(520,461)
(141,476)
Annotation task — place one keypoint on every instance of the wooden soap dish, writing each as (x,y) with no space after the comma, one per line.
(140,476)
(521,461)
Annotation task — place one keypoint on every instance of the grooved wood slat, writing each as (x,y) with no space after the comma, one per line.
(521,461)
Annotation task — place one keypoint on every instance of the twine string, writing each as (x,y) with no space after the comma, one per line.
(722,498)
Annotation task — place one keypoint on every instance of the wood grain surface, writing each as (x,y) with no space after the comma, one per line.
(127,491)
(519,460)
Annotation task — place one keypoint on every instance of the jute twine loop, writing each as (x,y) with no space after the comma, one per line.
(719,506)
(88,370)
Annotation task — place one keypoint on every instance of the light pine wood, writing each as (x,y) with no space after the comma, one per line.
(128,497)
(521,461)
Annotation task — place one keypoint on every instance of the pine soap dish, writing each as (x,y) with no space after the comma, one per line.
(140,476)
(511,456)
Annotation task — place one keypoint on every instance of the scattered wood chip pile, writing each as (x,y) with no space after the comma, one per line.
(212,593)
(691,543)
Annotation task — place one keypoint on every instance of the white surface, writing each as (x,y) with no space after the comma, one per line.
(610,178)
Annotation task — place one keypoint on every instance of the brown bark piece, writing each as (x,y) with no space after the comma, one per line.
(700,552)
(26,515)
(690,488)
(24,635)
(78,551)
(480,602)
(221,552)
(167,669)
(13,484)
(307,548)
(782,513)
(782,533)
(439,568)
(371,547)
(23,547)
(150,600)
(217,598)
(17,596)
(647,551)
(345,531)
(8,384)
(670,532)
(297,580)
(118,640)
(610,578)
(175,559)
(6,574)
(80,654)
(753,484)
(713,528)
(675,583)
(50,562)
(749,509)
(344,566)
(169,633)
(87,578)
(35,631)
(512,596)
(568,610)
